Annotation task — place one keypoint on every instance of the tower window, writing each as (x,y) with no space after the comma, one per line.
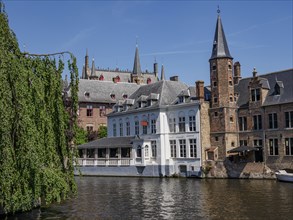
(229,66)
(231,119)
(215,84)
(230,83)
(214,67)
(215,99)
(216,114)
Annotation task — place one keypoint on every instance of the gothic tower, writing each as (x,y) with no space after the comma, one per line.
(223,110)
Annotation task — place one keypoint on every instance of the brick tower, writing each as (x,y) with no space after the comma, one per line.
(223,110)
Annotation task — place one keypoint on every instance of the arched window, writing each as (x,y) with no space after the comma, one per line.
(120,127)
(146,151)
(138,151)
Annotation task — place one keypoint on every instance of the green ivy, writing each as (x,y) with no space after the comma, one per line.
(37,131)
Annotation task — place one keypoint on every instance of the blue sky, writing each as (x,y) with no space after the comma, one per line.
(178,34)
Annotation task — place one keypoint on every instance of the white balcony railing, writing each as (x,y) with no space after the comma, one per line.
(104,162)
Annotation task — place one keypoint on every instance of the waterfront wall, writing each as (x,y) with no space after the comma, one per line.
(133,171)
(228,169)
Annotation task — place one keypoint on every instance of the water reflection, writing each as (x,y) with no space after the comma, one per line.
(154,198)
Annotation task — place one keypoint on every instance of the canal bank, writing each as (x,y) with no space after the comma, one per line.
(228,169)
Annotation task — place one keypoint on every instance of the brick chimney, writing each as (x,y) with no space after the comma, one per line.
(200,89)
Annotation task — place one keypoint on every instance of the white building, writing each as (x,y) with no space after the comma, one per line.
(154,132)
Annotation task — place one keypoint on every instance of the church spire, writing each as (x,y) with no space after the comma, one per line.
(93,72)
(136,66)
(220,46)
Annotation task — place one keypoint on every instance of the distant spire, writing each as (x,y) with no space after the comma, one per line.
(93,68)
(162,73)
(220,46)
(136,66)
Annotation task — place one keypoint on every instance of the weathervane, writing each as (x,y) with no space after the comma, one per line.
(218,9)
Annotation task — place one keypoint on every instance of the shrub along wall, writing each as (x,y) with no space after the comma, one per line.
(36,130)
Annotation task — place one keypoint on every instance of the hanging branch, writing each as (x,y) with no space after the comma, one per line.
(48,54)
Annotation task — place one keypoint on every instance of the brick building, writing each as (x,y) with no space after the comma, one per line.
(99,90)
(250,117)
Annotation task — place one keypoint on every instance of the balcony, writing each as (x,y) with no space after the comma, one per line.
(104,162)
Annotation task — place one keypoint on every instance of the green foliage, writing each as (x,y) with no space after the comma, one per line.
(102,132)
(80,136)
(37,132)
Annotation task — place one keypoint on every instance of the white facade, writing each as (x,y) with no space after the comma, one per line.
(166,136)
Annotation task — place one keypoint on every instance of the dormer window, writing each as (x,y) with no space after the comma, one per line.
(112,96)
(181,99)
(255,95)
(125,96)
(278,87)
(101,77)
(87,94)
(215,84)
(149,80)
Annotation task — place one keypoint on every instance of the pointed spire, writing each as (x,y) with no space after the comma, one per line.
(220,46)
(162,73)
(136,66)
(93,68)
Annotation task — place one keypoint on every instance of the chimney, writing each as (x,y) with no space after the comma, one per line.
(200,89)
(156,69)
(174,78)
(237,73)
(254,73)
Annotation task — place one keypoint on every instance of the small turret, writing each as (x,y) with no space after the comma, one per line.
(237,73)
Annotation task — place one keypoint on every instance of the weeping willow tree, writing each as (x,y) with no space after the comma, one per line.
(36,129)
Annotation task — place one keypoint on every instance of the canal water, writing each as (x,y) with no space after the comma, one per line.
(172,198)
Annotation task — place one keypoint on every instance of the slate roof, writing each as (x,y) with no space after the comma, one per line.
(124,75)
(109,142)
(163,93)
(220,46)
(99,91)
(282,78)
